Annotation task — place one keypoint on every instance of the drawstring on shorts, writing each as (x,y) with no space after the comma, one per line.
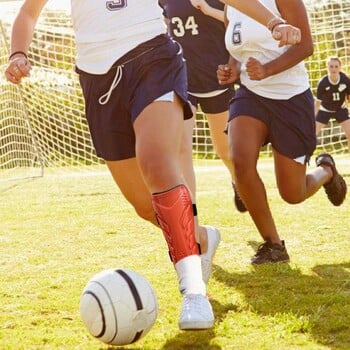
(118,76)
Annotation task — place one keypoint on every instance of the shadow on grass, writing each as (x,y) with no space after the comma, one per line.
(321,301)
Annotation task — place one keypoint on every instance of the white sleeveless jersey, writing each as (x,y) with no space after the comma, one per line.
(247,38)
(106,30)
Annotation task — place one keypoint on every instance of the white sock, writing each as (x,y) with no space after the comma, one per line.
(189,272)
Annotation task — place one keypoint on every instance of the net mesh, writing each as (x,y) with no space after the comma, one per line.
(42,122)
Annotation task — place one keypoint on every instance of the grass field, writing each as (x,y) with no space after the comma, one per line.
(59,230)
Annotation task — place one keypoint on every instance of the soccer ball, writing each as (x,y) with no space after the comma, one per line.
(118,306)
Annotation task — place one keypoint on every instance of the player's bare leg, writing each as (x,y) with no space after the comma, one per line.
(319,127)
(159,131)
(346,128)
(217,125)
(247,135)
(128,177)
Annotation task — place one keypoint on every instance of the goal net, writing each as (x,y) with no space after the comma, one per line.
(42,124)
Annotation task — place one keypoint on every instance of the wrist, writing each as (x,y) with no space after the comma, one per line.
(274,22)
(17,54)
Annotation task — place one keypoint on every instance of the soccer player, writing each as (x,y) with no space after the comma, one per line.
(134,83)
(274,105)
(198,26)
(333,92)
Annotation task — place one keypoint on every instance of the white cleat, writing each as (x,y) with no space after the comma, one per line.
(207,257)
(196,313)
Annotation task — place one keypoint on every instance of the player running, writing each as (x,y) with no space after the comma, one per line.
(134,83)
(274,105)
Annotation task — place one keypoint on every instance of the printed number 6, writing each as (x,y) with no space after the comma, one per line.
(116,5)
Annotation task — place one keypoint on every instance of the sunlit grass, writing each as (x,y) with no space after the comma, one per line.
(59,230)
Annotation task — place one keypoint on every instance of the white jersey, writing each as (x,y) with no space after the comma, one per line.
(106,30)
(247,38)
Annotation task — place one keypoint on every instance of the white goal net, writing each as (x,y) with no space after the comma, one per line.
(42,122)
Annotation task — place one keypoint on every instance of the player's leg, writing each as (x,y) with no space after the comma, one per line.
(217,125)
(127,175)
(319,127)
(346,128)
(295,185)
(159,131)
(247,135)
(208,237)
(322,119)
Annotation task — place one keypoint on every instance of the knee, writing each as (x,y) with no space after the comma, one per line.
(291,197)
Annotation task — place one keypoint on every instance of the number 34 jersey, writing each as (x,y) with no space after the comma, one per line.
(202,40)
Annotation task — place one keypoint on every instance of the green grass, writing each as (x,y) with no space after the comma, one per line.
(59,230)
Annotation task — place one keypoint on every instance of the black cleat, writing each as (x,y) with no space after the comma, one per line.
(336,188)
(270,253)
(238,200)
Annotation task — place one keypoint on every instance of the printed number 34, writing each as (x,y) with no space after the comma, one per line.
(116,5)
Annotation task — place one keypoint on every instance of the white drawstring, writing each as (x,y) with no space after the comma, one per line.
(118,75)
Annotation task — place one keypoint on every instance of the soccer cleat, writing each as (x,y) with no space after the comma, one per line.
(196,313)
(238,200)
(270,253)
(213,235)
(336,188)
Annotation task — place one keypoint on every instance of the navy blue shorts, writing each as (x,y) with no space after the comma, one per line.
(215,104)
(149,71)
(290,123)
(341,115)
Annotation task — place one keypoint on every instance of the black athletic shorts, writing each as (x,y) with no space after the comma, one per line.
(341,115)
(215,104)
(291,123)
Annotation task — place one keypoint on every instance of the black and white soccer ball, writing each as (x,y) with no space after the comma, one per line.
(118,306)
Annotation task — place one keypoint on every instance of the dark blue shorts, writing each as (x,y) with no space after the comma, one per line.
(215,104)
(341,115)
(290,123)
(149,71)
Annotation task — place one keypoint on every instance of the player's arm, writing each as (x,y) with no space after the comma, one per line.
(295,13)
(208,10)
(21,37)
(286,34)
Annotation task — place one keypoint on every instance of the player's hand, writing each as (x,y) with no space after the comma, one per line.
(201,5)
(286,34)
(255,70)
(226,74)
(18,68)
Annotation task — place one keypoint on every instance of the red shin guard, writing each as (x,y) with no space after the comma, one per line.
(175,216)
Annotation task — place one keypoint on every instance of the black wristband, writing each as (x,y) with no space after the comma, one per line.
(17,52)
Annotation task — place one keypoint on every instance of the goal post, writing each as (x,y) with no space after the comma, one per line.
(42,123)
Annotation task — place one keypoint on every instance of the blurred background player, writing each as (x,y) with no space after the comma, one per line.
(333,93)
(198,25)
(274,104)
